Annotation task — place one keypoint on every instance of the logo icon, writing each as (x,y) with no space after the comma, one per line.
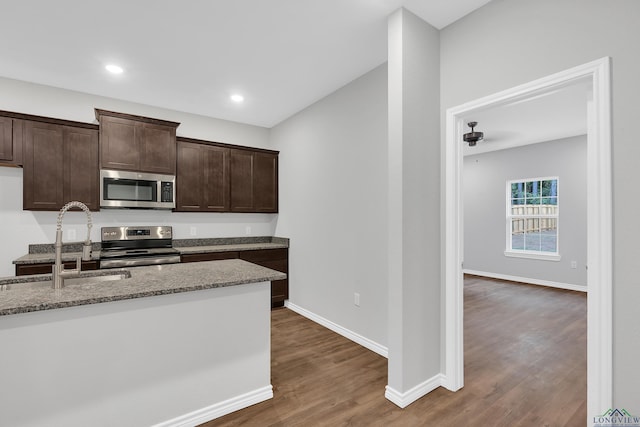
(616,418)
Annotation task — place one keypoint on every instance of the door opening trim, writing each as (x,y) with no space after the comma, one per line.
(599,226)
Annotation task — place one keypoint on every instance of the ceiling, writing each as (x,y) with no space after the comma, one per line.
(282,55)
(554,115)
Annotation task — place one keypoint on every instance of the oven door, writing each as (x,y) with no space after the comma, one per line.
(124,189)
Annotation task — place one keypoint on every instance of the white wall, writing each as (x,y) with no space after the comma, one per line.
(20,228)
(333,205)
(485,177)
(517,41)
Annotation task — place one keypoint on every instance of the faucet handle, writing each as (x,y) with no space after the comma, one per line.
(74,270)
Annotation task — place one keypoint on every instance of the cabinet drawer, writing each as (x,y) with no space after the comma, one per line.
(277,264)
(210,256)
(264,255)
(45,268)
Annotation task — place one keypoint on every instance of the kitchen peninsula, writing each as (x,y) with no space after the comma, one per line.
(171,345)
(267,251)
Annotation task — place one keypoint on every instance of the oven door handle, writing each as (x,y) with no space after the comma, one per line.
(138,261)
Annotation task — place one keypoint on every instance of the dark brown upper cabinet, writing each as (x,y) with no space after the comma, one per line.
(217,177)
(60,165)
(10,141)
(202,179)
(136,143)
(241,182)
(6,138)
(62,161)
(81,166)
(265,182)
(253,181)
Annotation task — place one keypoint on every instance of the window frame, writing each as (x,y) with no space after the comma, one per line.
(524,253)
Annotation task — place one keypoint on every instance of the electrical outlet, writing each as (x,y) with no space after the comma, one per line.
(71,234)
(247,230)
(574,264)
(193,231)
(356,299)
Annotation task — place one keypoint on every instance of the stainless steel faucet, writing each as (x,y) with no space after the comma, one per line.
(59,273)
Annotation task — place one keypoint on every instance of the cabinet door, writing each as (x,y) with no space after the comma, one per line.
(118,144)
(189,178)
(81,170)
(265,183)
(216,178)
(241,180)
(254,181)
(43,166)
(157,145)
(60,165)
(202,181)
(6,138)
(136,143)
(279,292)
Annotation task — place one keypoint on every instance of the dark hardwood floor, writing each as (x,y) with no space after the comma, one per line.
(525,365)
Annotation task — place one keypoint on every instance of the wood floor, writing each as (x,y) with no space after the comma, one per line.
(525,365)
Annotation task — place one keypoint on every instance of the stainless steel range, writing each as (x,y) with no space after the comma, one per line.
(134,246)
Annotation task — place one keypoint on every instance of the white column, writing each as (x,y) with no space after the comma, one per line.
(414,209)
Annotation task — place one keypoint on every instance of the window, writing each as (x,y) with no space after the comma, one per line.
(532,218)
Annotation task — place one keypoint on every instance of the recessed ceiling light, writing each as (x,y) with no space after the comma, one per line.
(115,69)
(237,98)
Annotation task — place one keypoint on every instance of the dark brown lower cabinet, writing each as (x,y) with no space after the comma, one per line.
(275,259)
(210,256)
(45,267)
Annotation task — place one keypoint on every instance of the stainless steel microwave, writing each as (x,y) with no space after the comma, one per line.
(125,189)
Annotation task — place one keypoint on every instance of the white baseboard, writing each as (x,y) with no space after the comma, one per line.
(528,280)
(217,410)
(405,399)
(363,341)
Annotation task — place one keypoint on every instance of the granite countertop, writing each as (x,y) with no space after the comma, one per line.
(147,281)
(45,252)
(38,258)
(230,247)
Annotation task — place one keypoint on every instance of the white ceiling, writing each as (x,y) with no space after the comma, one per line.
(282,55)
(555,115)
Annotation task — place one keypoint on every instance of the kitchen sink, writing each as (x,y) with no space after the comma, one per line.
(44,281)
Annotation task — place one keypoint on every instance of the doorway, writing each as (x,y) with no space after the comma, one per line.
(599,225)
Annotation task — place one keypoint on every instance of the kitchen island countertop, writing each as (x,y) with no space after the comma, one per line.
(144,282)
